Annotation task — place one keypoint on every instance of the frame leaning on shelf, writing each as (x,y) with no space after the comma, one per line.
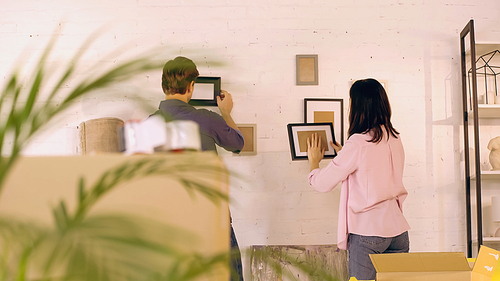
(473,110)
(470,111)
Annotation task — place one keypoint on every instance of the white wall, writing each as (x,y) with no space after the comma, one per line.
(413,44)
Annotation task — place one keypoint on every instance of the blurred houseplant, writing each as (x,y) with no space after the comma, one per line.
(80,246)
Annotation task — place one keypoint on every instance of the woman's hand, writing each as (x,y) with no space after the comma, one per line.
(337,146)
(315,151)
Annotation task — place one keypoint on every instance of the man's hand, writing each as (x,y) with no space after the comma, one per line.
(225,102)
(314,151)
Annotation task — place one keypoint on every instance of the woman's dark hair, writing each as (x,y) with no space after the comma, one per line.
(177,75)
(370,110)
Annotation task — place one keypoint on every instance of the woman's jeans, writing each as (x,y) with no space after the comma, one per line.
(360,248)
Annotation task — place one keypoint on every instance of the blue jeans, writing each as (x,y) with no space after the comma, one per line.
(360,248)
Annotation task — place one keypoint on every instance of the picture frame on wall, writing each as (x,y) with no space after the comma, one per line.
(306,69)
(206,90)
(299,132)
(249,132)
(318,110)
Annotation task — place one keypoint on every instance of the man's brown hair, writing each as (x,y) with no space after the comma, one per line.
(177,75)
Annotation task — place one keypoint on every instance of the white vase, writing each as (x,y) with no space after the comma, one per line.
(494,157)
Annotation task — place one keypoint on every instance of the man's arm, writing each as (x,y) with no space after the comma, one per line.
(232,141)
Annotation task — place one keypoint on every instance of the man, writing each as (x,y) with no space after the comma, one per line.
(178,81)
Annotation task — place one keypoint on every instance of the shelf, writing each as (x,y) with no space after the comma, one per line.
(488,111)
(484,111)
(484,48)
(491,239)
(488,175)
(488,240)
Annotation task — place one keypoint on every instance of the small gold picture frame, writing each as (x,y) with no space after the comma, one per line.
(249,132)
(306,69)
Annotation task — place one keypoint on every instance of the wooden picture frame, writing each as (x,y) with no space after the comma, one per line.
(206,90)
(318,110)
(306,69)
(299,132)
(385,84)
(249,132)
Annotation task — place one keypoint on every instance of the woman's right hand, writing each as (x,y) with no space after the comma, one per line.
(315,151)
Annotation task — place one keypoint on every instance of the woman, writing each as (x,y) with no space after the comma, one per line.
(370,167)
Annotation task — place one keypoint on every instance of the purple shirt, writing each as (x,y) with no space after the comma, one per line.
(372,194)
(213,128)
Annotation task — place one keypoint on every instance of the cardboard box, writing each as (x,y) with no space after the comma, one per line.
(435,266)
(37,183)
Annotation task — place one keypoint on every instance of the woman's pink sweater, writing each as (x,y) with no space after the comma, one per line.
(372,193)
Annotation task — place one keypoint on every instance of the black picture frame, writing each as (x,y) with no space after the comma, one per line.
(298,141)
(206,90)
(322,105)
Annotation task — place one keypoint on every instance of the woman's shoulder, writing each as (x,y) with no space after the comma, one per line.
(359,139)
(366,137)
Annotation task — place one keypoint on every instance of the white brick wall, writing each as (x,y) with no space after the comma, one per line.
(413,44)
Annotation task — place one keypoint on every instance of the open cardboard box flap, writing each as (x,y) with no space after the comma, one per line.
(435,266)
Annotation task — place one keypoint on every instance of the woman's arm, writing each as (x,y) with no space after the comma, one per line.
(345,163)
